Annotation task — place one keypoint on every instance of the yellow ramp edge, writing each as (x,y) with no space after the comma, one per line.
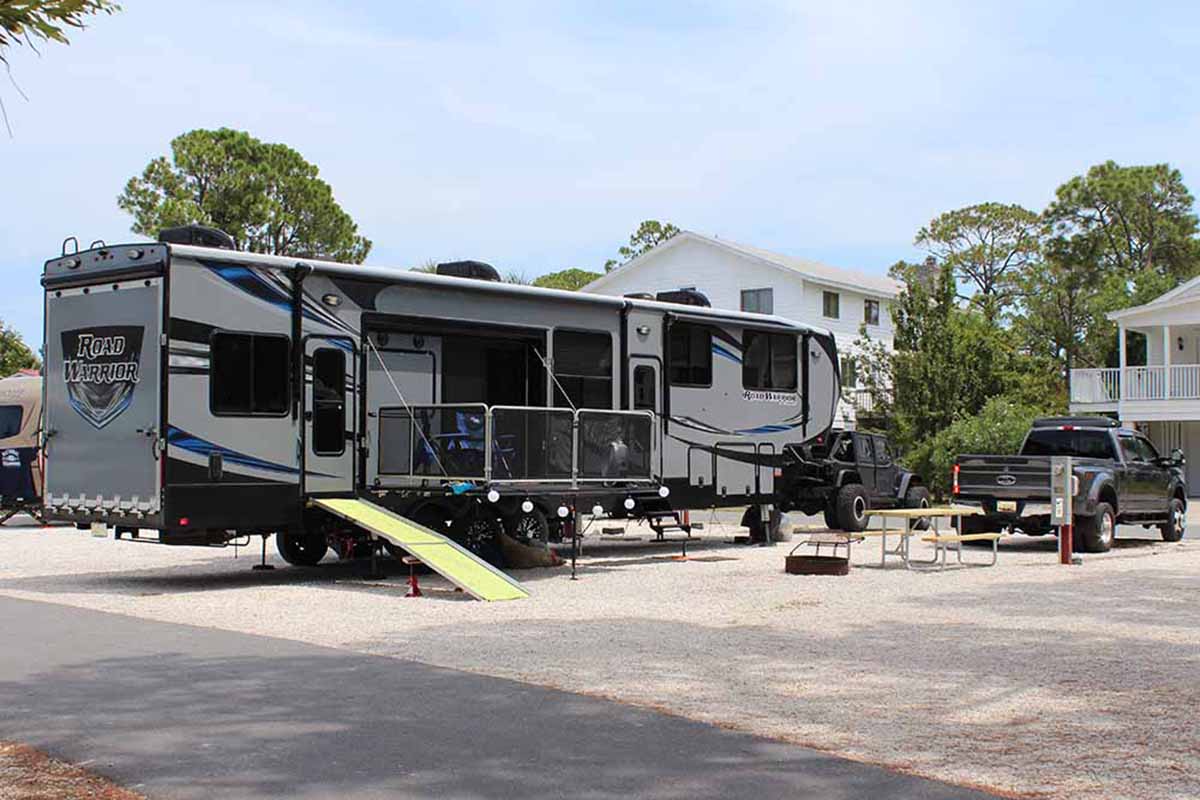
(457,564)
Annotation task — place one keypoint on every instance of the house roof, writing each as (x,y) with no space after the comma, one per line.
(1183,294)
(806,268)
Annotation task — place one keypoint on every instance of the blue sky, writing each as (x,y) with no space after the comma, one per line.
(536,135)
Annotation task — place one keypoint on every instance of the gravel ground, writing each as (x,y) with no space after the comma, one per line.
(1028,678)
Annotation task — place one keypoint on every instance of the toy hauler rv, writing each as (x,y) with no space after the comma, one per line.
(208,394)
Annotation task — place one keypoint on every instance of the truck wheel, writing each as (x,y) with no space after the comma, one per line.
(918,497)
(852,507)
(301,549)
(1172,530)
(1096,533)
(480,533)
(831,518)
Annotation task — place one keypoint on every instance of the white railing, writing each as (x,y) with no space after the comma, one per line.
(1095,385)
(1185,382)
(1137,383)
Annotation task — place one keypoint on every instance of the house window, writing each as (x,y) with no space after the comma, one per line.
(758,301)
(769,361)
(831,304)
(849,372)
(643,389)
(691,355)
(871,312)
(250,374)
(583,369)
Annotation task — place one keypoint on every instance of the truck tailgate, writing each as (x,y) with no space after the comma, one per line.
(1004,477)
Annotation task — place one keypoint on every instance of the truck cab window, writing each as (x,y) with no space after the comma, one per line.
(691,355)
(1059,442)
(583,369)
(329,401)
(769,361)
(249,374)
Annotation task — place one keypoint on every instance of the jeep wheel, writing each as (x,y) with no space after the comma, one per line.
(852,507)
(918,497)
(831,517)
(1096,533)
(1173,529)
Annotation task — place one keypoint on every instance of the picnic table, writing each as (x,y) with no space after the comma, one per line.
(942,542)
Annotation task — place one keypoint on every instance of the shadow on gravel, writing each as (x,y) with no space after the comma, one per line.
(306,722)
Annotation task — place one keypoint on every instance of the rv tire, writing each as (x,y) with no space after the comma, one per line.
(301,549)
(852,507)
(529,528)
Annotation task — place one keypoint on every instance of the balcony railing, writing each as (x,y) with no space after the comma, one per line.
(1137,383)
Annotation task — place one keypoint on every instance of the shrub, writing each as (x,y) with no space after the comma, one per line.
(998,428)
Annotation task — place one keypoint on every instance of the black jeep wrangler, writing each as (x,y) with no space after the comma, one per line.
(846,474)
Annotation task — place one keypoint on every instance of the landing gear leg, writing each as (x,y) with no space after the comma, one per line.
(374,573)
(263,566)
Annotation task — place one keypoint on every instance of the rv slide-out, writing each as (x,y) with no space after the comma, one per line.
(458,565)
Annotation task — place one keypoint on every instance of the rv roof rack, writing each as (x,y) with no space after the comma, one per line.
(1076,422)
(198,235)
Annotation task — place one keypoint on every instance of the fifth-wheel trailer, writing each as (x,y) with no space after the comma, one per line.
(210,394)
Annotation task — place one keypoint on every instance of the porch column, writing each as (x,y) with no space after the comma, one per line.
(1121,362)
(1166,343)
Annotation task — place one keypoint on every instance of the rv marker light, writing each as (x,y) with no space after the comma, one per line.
(527,506)
(562,511)
(629,504)
(493,496)
(663,491)
(597,510)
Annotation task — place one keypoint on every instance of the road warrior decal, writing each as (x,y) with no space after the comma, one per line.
(759,396)
(100,369)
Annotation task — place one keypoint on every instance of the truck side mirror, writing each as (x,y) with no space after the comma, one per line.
(1177,457)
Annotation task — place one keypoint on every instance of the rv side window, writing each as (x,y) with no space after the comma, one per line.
(10,421)
(691,355)
(769,361)
(249,374)
(643,389)
(583,369)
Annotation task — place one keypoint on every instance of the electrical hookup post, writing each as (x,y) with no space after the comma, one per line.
(1062,511)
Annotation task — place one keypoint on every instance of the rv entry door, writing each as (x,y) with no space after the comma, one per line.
(330,417)
(103,391)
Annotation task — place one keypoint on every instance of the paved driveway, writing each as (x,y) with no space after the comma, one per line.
(184,712)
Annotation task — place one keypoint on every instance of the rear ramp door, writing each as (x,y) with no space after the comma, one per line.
(457,564)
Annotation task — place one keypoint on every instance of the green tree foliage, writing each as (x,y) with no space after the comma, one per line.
(27,21)
(15,355)
(650,234)
(998,428)
(266,196)
(570,279)
(986,247)
(1127,234)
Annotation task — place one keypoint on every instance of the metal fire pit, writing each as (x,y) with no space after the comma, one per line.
(817,565)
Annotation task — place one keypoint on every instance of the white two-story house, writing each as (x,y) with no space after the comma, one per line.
(1162,395)
(748,278)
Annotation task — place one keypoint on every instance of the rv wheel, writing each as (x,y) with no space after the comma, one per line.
(480,534)
(529,528)
(301,549)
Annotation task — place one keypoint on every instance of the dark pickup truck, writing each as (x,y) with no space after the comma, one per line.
(1121,479)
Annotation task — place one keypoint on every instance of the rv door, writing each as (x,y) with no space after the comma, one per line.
(103,391)
(330,414)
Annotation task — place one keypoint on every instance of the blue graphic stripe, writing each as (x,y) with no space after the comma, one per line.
(203,447)
(769,429)
(721,351)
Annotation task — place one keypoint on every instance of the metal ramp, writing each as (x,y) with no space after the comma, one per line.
(460,566)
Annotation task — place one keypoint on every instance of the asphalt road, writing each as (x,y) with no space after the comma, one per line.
(183,712)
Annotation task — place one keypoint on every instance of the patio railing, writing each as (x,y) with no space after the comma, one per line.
(1180,382)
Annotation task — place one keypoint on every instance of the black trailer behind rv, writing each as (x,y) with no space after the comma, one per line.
(208,394)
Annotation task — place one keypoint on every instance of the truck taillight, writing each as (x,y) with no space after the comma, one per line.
(954,490)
